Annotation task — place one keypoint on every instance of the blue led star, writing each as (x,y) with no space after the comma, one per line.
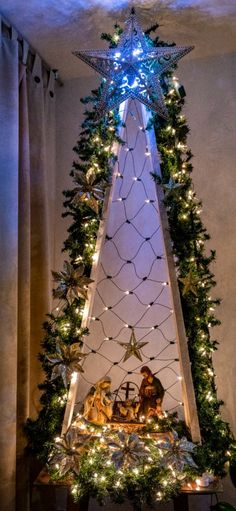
(133,69)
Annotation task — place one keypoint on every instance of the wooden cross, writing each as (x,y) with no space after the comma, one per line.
(127,389)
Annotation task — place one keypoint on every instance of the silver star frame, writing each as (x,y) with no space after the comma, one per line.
(133,69)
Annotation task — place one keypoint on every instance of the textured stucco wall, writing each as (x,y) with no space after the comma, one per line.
(209,78)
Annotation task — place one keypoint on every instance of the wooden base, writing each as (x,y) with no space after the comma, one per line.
(181,503)
(50,494)
(83,505)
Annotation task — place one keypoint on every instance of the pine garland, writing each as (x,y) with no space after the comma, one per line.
(188,237)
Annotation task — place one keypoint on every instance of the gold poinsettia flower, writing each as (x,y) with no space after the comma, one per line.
(65,361)
(89,189)
(72,283)
(68,450)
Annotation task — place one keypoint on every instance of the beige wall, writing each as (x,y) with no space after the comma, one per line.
(209,77)
(211,111)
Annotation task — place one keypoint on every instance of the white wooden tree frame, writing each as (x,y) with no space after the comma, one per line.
(190,409)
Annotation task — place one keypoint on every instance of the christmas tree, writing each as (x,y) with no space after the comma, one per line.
(127,351)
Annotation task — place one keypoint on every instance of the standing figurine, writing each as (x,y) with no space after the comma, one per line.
(151,394)
(98,402)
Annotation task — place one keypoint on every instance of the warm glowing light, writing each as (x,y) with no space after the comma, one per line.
(74,377)
(95,257)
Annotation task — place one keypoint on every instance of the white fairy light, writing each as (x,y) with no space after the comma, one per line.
(74,377)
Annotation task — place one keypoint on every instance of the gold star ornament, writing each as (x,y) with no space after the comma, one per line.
(133,347)
(190,283)
(171,188)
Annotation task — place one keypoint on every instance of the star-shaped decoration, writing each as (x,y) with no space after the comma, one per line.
(190,283)
(171,188)
(133,69)
(132,347)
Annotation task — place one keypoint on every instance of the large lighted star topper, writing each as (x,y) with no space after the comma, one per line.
(132,347)
(133,69)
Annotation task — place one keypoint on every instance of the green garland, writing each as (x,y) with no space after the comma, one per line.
(63,325)
(195,280)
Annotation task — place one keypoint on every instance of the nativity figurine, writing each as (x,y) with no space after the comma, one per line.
(98,404)
(128,410)
(151,394)
(157,411)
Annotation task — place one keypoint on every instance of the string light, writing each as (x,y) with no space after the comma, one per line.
(95,257)
(74,377)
